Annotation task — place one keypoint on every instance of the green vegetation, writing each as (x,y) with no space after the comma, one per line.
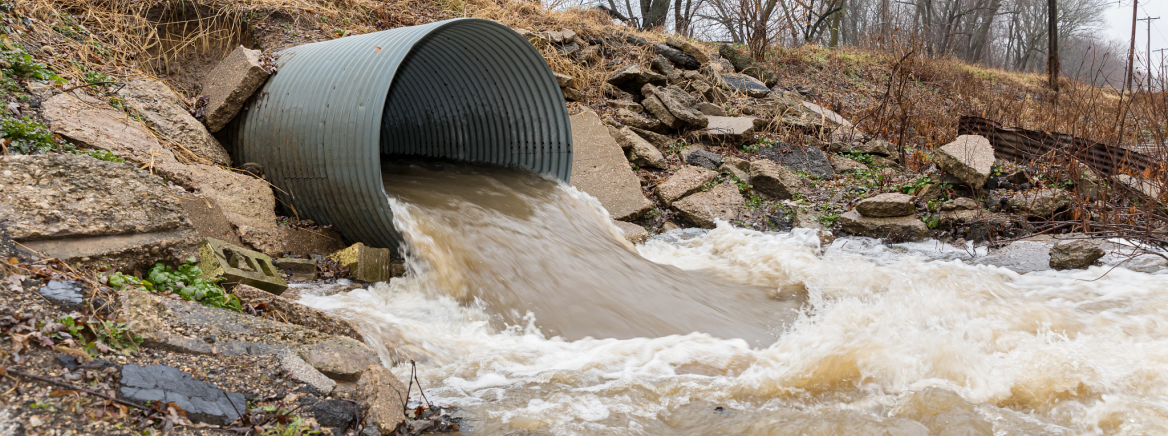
(863,158)
(105,155)
(25,136)
(96,335)
(913,185)
(187,283)
(829,219)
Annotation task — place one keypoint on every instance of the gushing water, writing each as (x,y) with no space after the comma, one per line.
(532,316)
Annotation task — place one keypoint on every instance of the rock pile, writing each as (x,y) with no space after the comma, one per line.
(885,216)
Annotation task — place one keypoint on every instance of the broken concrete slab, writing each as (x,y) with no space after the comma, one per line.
(1043,203)
(246,201)
(703,158)
(300,370)
(79,209)
(292,312)
(772,179)
(887,205)
(301,270)
(728,130)
(681,104)
(654,106)
(163,110)
(807,159)
(905,228)
(824,114)
(686,181)
(340,358)
(632,78)
(722,202)
(230,84)
(969,158)
(307,242)
(633,233)
(636,120)
(202,401)
(600,168)
(208,218)
(640,151)
(712,110)
(383,395)
(844,165)
(239,265)
(368,264)
(64,293)
(745,84)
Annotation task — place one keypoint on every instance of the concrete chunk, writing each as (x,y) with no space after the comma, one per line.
(887,205)
(382,393)
(230,84)
(722,202)
(601,169)
(302,371)
(368,264)
(340,358)
(772,179)
(239,265)
(202,401)
(162,109)
(633,233)
(687,180)
(906,228)
(969,158)
(728,130)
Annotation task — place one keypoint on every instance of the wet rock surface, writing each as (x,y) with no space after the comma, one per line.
(633,233)
(382,392)
(722,202)
(904,228)
(340,358)
(886,206)
(1040,203)
(300,370)
(1077,254)
(66,293)
(202,401)
(685,181)
(336,413)
(601,169)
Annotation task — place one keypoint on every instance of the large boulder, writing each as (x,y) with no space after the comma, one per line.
(887,205)
(808,159)
(678,57)
(600,168)
(969,158)
(722,202)
(687,180)
(1041,203)
(905,228)
(161,108)
(201,401)
(633,77)
(77,208)
(772,179)
(1076,254)
(230,84)
(728,130)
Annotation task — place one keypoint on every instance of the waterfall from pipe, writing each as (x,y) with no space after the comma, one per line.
(527,310)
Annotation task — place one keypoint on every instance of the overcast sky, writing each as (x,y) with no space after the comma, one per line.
(1119,16)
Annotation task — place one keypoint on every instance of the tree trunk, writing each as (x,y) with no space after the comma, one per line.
(981,37)
(1052,56)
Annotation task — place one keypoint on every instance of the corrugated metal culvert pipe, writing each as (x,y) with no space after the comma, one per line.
(464,89)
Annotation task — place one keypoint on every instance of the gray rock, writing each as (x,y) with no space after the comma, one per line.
(745,64)
(824,115)
(711,110)
(844,165)
(772,179)
(886,205)
(66,294)
(722,202)
(1041,203)
(340,358)
(905,228)
(745,84)
(628,118)
(568,49)
(630,106)
(688,48)
(161,108)
(663,66)
(335,413)
(77,208)
(658,140)
(680,104)
(230,84)
(678,57)
(601,169)
(202,401)
(929,193)
(969,158)
(709,92)
(633,77)
(382,393)
(1076,254)
(809,159)
(633,233)
(876,147)
(687,180)
(640,151)
(733,170)
(705,159)
(573,94)
(564,80)
(728,130)
(1020,256)
(300,370)
(653,105)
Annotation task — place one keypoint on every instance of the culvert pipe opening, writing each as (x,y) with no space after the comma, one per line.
(467,89)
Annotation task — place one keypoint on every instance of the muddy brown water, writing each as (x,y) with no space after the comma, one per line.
(528,313)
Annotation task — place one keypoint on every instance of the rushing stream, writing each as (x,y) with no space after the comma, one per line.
(525,309)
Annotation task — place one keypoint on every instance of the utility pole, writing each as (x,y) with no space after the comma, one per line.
(1052,55)
(1163,71)
(1149,21)
(1131,53)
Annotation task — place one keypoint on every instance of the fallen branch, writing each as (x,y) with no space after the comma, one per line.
(74,388)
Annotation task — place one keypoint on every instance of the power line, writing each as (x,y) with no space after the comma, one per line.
(1149,20)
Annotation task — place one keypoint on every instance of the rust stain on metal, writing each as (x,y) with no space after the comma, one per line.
(1021,145)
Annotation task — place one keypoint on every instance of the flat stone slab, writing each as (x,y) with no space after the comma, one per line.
(230,84)
(808,159)
(66,293)
(905,228)
(687,180)
(202,401)
(969,158)
(887,205)
(1021,256)
(722,202)
(825,114)
(774,180)
(160,107)
(633,233)
(731,130)
(600,168)
(745,84)
(302,371)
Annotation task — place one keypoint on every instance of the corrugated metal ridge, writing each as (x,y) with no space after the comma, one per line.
(1017,144)
(464,89)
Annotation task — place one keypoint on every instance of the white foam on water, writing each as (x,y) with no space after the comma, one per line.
(902,339)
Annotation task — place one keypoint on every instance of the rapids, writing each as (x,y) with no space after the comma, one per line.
(525,309)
